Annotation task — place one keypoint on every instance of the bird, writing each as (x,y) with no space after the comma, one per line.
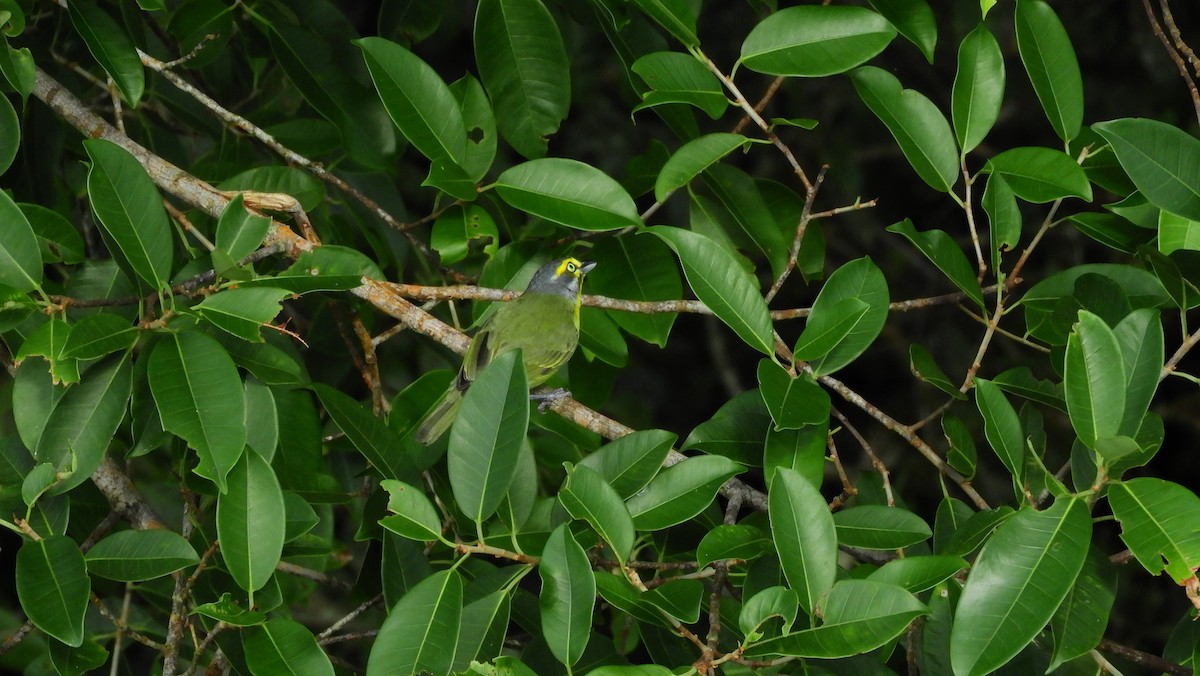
(543,322)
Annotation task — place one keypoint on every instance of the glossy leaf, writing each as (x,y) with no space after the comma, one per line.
(1158,522)
(417,100)
(201,399)
(915,21)
(1001,426)
(978,88)
(480,123)
(1140,336)
(370,435)
(1050,62)
(111,47)
(228,611)
(630,462)
(680,491)
(674,15)
(879,527)
(804,535)
(569,192)
(918,573)
(482,629)
(1020,578)
(1041,174)
(1162,160)
(421,630)
(1094,379)
(284,646)
(587,496)
(923,366)
(567,596)
(858,279)
(637,268)
(1004,217)
(794,401)
(918,126)
(240,232)
(53,587)
(137,555)
(57,238)
(523,65)
(740,196)
(413,515)
(802,450)
(459,227)
(485,441)
(737,542)
(826,329)
(1176,233)
(1079,623)
(771,602)
(243,312)
(722,285)
(815,40)
(679,78)
(943,252)
(130,211)
(250,522)
(735,431)
(962,454)
(99,335)
(20,262)
(693,158)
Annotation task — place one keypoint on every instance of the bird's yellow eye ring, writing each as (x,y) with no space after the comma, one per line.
(571,267)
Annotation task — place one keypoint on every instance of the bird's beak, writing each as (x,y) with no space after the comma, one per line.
(587,266)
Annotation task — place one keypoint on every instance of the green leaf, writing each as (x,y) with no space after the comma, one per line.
(918,573)
(523,65)
(915,21)
(1050,62)
(1041,174)
(1177,232)
(674,15)
(58,239)
(1004,217)
(804,536)
(777,601)
(137,555)
(1020,578)
(480,123)
(371,436)
(421,630)
(1112,230)
(569,192)
(483,628)
(802,450)
(793,401)
(915,122)
(99,335)
(200,398)
(1140,336)
(680,492)
(48,341)
(1079,623)
(228,611)
(456,229)
(242,312)
(130,212)
(1094,380)
(737,542)
(859,279)
(1001,426)
(20,262)
(327,268)
(413,515)
(1159,523)
(925,367)
(824,330)
(736,430)
(485,441)
(815,41)
(962,454)
(53,587)
(679,78)
(111,47)
(740,196)
(630,462)
(637,268)
(301,185)
(879,527)
(240,232)
(977,528)
(860,615)
(978,88)
(70,661)
(417,100)
(250,522)
(1162,160)
(84,421)
(943,252)
(284,646)
(722,285)
(567,596)
(19,69)
(587,496)
(680,600)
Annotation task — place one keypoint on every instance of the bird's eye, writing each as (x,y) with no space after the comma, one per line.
(570,267)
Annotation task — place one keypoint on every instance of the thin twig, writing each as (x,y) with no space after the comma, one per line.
(1171,52)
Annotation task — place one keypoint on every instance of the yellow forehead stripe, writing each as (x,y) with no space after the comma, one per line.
(567,263)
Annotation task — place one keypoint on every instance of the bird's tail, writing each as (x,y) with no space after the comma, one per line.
(439,419)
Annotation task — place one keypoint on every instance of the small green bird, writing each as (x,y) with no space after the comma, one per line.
(543,323)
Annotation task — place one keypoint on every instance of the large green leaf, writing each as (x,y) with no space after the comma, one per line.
(915,21)
(918,573)
(413,515)
(421,631)
(804,536)
(1041,174)
(485,441)
(137,555)
(53,587)
(200,398)
(20,262)
(250,522)
(1079,623)
(111,47)
(736,430)
(879,527)
(915,122)
(943,252)
(641,268)
(680,492)
(674,15)
(567,596)
(1140,336)
(569,192)
(1160,521)
(587,496)
(693,158)
(1001,426)
(377,442)
(284,646)
(739,542)
(978,87)
(130,212)
(99,335)
(815,40)
(740,196)
(1177,233)
(1094,380)
(794,401)
(630,462)
(679,78)
(417,99)
(483,628)
(1050,62)
(1020,578)
(1162,160)
(722,285)
(858,279)
(523,65)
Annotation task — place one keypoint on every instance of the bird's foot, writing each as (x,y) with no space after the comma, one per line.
(545,399)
